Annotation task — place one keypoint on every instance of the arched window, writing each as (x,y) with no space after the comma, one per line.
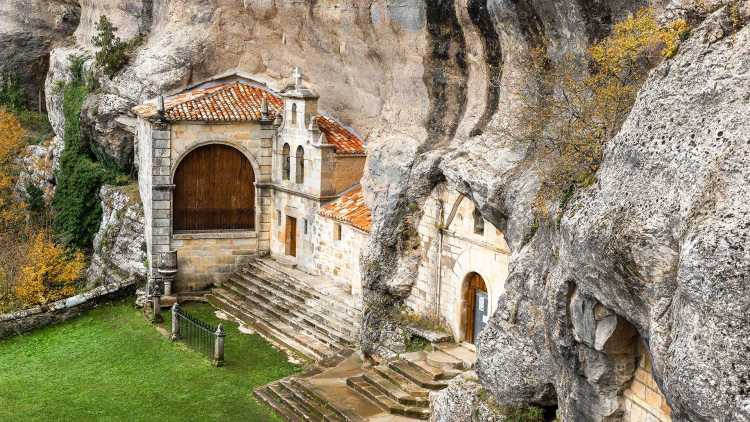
(294,114)
(300,170)
(285,163)
(478,222)
(214,190)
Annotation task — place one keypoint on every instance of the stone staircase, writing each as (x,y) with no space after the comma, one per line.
(395,391)
(284,305)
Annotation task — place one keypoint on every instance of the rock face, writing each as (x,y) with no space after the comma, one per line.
(29,29)
(654,252)
(119,246)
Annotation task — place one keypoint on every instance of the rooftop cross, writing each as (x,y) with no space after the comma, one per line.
(297,76)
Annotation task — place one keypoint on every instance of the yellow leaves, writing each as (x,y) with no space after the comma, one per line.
(576,104)
(11,136)
(50,273)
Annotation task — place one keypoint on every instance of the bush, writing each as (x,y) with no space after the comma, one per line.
(12,96)
(113,53)
(76,203)
(50,272)
(575,105)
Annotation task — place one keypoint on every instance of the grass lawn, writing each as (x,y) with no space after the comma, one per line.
(111,365)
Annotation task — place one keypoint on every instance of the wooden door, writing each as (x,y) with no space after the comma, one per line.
(291,236)
(214,191)
(477,304)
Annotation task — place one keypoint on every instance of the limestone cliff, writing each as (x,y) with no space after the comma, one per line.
(654,251)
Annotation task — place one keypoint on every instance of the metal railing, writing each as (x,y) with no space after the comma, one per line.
(198,335)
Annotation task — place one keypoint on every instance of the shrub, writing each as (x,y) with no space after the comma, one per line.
(113,53)
(11,93)
(77,210)
(11,142)
(575,105)
(50,272)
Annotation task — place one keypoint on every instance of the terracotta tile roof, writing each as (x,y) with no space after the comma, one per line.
(230,102)
(345,141)
(350,208)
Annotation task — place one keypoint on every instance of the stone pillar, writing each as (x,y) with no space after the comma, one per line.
(175,322)
(219,346)
(263,192)
(161,193)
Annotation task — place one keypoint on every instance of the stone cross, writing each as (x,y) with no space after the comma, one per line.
(297,76)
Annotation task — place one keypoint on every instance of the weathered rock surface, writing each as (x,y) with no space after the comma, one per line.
(654,251)
(464,400)
(29,29)
(119,246)
(38,164)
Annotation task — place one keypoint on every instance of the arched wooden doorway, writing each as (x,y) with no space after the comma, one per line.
(214,191)
(477,306)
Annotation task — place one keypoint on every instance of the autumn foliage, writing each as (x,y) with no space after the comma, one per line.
(576,104)
(33,269)
(50,272)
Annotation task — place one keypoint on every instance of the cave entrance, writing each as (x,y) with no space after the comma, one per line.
(477,303)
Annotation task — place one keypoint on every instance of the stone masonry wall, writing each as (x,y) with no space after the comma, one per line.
(644,402)
(210,259)
(338,260)
(463,252)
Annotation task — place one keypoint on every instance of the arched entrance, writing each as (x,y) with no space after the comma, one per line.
(477,305)
(214,191)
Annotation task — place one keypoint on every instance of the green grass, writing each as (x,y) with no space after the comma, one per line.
(111,365)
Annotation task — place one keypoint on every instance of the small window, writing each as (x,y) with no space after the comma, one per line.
(337,231)
(278,217)
(478,222)
(305,225)
(285,163)
(300,171)
(294,114)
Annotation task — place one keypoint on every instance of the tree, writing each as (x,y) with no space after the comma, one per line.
(575,105)
(50,272)
(113,53)
(11,143)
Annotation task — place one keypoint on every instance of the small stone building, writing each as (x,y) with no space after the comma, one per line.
(229,168)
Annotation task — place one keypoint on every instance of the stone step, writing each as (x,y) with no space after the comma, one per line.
(340,322)
(342,414)
(361,385)
(402,382)
(300,288)
(301,292)
(394,390)
(313,403)
(265,395)
(290,317)
(417,375)
(462,352)
(283,274)
(302,344)
(443,360)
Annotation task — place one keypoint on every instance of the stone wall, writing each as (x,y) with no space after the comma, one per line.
(644,402)
(338,260)
(462,252)
(205,259)
(28,319)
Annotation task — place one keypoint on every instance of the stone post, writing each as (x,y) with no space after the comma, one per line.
(156,317)
(175,322)
(219,346)
(168,269)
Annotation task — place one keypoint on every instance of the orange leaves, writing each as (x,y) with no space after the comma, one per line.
(50,273)
(11,136)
